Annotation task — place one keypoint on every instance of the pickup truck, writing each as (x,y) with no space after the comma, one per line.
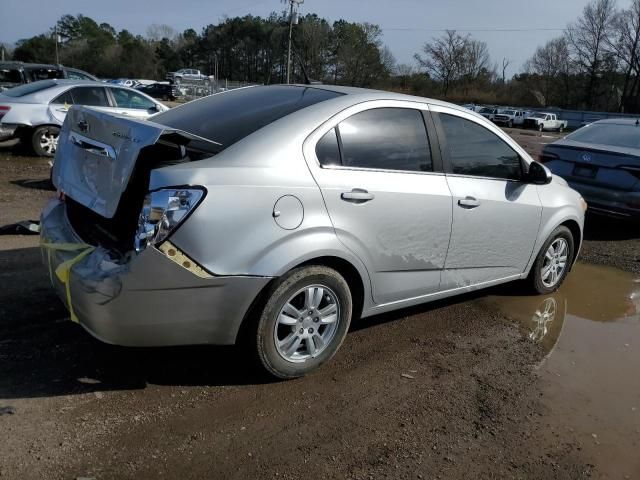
(509,117)
(488,112)
(188,75)
(544,121)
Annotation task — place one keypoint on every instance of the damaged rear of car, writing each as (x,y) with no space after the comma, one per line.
(125,187)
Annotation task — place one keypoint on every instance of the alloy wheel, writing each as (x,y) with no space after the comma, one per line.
(49,142)
(555,262)
(307,323)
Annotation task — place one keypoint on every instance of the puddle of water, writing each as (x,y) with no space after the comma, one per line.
(590,330)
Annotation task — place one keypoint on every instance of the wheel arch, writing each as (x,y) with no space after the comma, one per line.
(576,233)
(351,274)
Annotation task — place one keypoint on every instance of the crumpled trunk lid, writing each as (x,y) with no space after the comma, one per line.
(97,154)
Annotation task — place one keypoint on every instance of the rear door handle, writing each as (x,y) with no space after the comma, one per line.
(357,195)
(469,202)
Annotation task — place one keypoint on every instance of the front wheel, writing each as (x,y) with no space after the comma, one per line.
(304,321)
(553,262)
(540,127)
(44,140)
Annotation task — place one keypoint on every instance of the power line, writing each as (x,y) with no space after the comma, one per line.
(412,29)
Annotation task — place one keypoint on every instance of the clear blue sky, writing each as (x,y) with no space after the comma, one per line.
(407,24)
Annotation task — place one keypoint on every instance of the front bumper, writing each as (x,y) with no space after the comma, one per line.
(146,301)
(609,202)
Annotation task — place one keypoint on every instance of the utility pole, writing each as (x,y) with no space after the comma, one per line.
(56,34)
(297,3)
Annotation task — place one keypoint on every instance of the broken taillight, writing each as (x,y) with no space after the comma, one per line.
(4,109)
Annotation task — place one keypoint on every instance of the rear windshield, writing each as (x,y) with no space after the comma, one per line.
(228,117)
(28,88)
(618,135)
(10,75)
(43,73)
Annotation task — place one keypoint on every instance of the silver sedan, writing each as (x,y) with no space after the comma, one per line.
(35,111)
(275,215)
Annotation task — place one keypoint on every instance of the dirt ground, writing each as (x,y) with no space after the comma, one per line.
(461,388)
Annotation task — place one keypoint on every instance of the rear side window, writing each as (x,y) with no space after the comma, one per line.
(327,149)
(474,150)
(77,75)
(63,99)
(386,138)
(128,99)
(90,96)
(10,75)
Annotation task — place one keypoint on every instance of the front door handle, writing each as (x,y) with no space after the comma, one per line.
(469,202)
(357,195)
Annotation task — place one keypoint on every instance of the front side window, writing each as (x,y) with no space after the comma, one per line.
(128,99)
(474,150)
(386,138)
(90,96)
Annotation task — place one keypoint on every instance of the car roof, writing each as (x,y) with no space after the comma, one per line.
(29,65)
(373,94)
(619,121)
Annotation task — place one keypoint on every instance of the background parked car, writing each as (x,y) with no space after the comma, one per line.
(34,112)
(13,74)
(126,82)
(602,162)
(488,112)
(545,121)
(509,117)
(164,91)
(187,75)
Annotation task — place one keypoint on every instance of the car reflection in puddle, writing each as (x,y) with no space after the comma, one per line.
(590,332)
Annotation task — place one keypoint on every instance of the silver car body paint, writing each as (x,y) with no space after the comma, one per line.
(35,109)
(411,244)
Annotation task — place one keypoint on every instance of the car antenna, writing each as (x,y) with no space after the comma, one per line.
(307,80)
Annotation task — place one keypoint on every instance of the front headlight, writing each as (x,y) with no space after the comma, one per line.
(162,212)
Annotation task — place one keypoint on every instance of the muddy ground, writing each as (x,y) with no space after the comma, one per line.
(490,385)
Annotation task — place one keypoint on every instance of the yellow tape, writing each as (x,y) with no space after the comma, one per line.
(63,270)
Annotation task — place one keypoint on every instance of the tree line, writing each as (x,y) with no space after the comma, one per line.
(594,64)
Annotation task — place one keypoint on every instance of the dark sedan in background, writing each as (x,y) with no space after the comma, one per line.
(163,91)
(602,162)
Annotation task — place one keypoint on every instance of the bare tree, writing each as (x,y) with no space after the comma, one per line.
(625,43)
(552,65)
(444,57)
(156,32)
(505,64)
(588,38)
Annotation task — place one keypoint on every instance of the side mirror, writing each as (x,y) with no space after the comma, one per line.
(538,174)
(153,109)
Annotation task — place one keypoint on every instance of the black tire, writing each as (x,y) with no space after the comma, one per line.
(38,144)
(540,127)
(561,129)
(535,276)
(165,97)
(510,124)
(278,295)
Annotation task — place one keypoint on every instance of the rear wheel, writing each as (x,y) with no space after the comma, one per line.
(304,321)
(553,262)
(561,128)
(44,140)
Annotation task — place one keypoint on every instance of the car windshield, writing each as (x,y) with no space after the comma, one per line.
(538,115)
(28,88)
(10,75)
(486,110)
(614,134)
(508,112)
(228,117)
